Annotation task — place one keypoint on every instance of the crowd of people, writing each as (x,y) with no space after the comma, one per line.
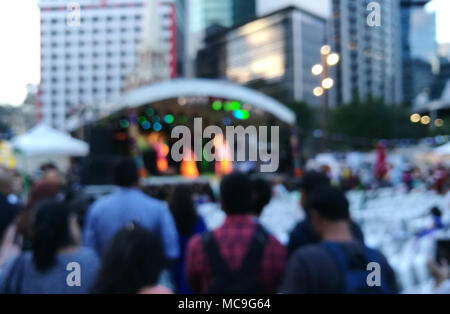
(130,242)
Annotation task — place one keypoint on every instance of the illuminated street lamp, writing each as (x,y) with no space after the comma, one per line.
(333,59)
(327,59)
(317,69)
(425,120)
(415,118)
(327,83)
(318,91)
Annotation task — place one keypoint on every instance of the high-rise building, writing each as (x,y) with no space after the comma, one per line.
(201,15)
(273,54)
(419,48)
(88,50)
(320,8)
(370,55)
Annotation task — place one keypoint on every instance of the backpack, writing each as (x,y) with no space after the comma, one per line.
(355,280)
(242,281)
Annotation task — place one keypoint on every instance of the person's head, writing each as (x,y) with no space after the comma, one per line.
(6,181)
(182,207)
(50,173)
(236,194)
(132,261)
(261,194)
(327,205)
(126,173)
(436,212)
(310,181)
(54,227)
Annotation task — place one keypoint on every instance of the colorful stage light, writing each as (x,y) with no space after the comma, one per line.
(217,105)
(149,112)
(227,106)
(235,105)
(169,119)
(241,114)
(146,125)
(142,119)
(156,119)
(124,123)
(157,126)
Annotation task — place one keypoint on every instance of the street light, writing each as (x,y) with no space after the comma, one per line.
(317,69)
(318,91)
(415,118)
(333,59)
(327,59)
(327,83)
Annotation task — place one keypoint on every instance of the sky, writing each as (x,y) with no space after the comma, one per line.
(19,50)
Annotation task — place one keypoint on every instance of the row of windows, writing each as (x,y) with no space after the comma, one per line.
(94,43)
(82,78)
(82,55)
(94,19)
(82,31)
(94,67)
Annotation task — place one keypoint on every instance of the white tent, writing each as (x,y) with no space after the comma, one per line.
(43,144)
(43,140)
(443,150)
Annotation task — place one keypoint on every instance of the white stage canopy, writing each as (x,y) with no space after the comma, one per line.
(205,87)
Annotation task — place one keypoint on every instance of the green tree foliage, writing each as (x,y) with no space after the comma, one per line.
(374,120)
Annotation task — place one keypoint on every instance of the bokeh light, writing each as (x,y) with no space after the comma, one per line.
(157,126)
(415,118)
(169,119)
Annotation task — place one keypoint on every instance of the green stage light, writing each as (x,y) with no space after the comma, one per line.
(157,126)
(241,114)
(227,106)
(142,119)
(124,124)
(217,105)
(156,119)
(235,105)
(149,112)
(169,119)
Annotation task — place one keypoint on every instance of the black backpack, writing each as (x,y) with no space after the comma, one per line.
(242,281)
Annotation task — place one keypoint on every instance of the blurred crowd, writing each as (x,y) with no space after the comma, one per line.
(129,241)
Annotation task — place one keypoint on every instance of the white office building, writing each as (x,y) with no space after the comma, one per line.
(371,63)
(88,50)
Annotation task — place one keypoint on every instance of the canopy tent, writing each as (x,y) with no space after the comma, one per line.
(443,150)
(43,140)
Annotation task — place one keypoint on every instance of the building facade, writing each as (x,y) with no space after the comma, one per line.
(371,63)
(201,15)
(419,48)
(273,54)
(88,50)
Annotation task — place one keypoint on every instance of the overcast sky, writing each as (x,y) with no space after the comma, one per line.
(19,37)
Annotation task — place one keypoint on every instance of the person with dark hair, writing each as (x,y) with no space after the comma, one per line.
(303,233)
(132,263)
(188,223)
(261,194)
(55,252)
(240,256)
(128,203)
(38,193)
(338,264)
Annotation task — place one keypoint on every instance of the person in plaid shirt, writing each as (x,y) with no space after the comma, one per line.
(233,239)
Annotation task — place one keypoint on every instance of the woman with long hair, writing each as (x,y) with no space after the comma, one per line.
(132,263)
(188,223)
(56,263)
